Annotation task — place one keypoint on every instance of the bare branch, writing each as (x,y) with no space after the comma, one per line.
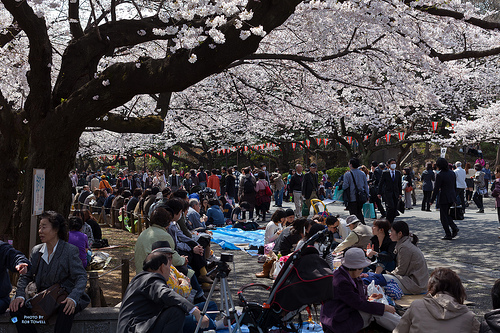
(74,19)
(9,34)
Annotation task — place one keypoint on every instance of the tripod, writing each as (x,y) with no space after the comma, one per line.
(226,301)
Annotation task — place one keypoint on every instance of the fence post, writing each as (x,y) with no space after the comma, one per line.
(95,296)
(125,275)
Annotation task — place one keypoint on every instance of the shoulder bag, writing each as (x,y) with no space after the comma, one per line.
(361,195)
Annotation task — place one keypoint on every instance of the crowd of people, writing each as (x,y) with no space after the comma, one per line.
(173,256)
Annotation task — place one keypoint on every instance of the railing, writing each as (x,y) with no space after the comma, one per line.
(95,291)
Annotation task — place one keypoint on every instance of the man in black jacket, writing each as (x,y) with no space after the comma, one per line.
(310,185)
(390,188)
(446,183)
(296,188)
(150,305)
(375,176)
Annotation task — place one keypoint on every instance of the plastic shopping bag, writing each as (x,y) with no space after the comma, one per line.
(376,293)
(369,210)
(338,195)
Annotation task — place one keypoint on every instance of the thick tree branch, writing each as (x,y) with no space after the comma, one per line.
(40,59)
(148,125)
(120,82)
(433,10)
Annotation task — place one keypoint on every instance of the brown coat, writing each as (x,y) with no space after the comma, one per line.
(437,314)
(411,269)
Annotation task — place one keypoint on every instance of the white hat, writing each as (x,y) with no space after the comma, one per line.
(351,219)
(355,258)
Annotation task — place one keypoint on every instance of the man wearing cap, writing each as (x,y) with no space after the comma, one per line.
(310,185)
(150,305)
(359,236)
(349,310)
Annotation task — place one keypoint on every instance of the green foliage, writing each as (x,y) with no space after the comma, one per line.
(335,173)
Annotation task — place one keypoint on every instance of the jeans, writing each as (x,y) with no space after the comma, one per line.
(190,322)
(203,185)
(329,193)
(278,197)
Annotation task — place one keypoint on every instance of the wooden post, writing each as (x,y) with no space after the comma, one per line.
(95,296)
(125,275)
(131,221)
(139,223)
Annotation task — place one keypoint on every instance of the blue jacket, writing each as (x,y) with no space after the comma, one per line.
(9,259)
(341,313)
(215,216)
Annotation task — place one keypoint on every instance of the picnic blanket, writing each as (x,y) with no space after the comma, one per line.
(228,236)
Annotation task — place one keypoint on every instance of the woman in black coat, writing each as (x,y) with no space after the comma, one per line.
(446,182)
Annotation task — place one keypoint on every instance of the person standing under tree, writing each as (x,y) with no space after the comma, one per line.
(445,188)
(390,188)
(310,185)
(296,189)
(355,182)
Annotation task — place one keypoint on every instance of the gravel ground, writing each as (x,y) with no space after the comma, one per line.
(473,254)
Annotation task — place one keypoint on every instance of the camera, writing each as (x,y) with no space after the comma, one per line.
(226,257)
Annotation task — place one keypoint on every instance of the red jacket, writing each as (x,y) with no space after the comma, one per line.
(214,183)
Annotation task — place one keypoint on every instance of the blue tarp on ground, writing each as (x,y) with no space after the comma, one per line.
(228,236)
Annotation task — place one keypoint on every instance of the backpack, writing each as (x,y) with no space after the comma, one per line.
(248,187)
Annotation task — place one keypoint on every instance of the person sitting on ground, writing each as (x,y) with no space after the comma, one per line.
(215,214)
(193,219)
(291,236)
(411,273)
(491,322)
(78,239)
(15,261)
(239,213)
(149,305)
(274,228)
(290,216)
(359,237)
(442,309)
(338,227)
(382,247)
(349,311)
(227,208)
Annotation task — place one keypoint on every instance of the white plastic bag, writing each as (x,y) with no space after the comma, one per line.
(376,293)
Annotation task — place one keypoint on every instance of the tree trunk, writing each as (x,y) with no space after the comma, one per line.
(497,160)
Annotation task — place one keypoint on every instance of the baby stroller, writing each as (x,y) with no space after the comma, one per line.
(315,203)
(305,279)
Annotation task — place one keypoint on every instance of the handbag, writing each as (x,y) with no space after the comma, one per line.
(268,191)
(456,212)
(46,302)
(361,195)
(482,190)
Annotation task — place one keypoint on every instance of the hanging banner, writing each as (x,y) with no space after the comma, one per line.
(318,141)
(376,142)
(387,138)
(268,145)
(366,137)
(401,136)
(443,152)
(325,141)
(349,139)
(434,126)
(308,143)
(246,148)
